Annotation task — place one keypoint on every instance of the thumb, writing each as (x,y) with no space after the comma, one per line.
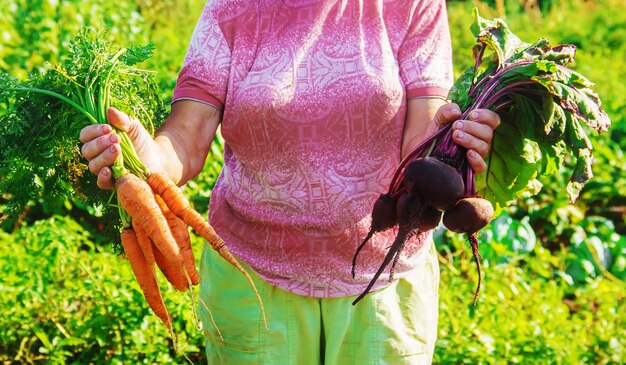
(447,113)
(124,122)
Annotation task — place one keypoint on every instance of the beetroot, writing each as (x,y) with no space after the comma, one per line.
(434,182)
(429,219)
(469,215)
(532,88)
(412,216)
(384,216)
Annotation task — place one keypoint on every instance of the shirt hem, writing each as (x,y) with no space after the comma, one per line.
(353,289)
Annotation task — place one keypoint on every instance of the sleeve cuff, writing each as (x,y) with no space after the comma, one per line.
(192,89)
(427,91)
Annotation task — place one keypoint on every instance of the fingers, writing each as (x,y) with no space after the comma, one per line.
(138,135)
(93,131)
(105,179)
(472,136)
(477,132)
(485,117)
(136,132)
(120,120)
(476,161)
(105,158)
(101,148)
(476,135)
(99,145)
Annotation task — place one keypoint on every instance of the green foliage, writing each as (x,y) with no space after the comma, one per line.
(598,35)
(36,34)
(45,114)
(65,300)
(533,302)
(595,250)
(76,305)
(543,106)
(524,318)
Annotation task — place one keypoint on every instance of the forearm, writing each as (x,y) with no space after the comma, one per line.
(420,122)
(185,138)
(172,158)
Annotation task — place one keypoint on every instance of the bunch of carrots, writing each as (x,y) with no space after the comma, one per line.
(154,213)
(156,216)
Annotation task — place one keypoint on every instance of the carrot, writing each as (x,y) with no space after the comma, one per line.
(145,243)
(145,277)
(181,235)
(136,197)
(174,198)
(174,274)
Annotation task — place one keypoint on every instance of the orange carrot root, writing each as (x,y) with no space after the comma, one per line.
(181,235)
(145,243)
(176,201)
(137,198)
(174,274)
(145,278)
(173,196)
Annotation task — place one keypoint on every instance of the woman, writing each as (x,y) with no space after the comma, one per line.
(317,102)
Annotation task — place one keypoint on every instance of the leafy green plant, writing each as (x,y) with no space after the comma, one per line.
(543,104)
(39,133)
(595,250)
(35,35)
(507,240)
(65,299)
(525,319)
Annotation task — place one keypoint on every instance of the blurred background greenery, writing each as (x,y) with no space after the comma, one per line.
(554,273)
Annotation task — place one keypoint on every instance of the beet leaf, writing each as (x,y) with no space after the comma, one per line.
(545,109)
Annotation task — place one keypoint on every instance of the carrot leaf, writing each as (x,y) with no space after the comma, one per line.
(39,146)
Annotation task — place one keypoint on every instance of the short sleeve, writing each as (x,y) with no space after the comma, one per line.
(206,68)
(425,55)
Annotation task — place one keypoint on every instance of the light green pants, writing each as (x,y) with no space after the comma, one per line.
(395,325)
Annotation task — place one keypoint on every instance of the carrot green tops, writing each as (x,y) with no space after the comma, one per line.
(314,98)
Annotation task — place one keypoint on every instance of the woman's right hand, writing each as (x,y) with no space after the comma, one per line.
(101,146)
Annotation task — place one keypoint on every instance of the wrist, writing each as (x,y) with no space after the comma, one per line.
(166,158)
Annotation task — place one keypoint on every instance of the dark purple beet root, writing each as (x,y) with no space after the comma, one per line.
(408,212)
(384,216)
(469,215)
(434,182)
(429,219)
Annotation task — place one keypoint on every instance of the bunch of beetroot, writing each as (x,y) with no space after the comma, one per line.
(424,189)
(543,106)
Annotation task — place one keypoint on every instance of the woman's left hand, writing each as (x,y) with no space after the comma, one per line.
(476,134)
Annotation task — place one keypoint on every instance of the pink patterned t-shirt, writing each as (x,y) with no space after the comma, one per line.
(314,98)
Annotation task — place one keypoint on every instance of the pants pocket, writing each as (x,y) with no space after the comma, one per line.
(229,311)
